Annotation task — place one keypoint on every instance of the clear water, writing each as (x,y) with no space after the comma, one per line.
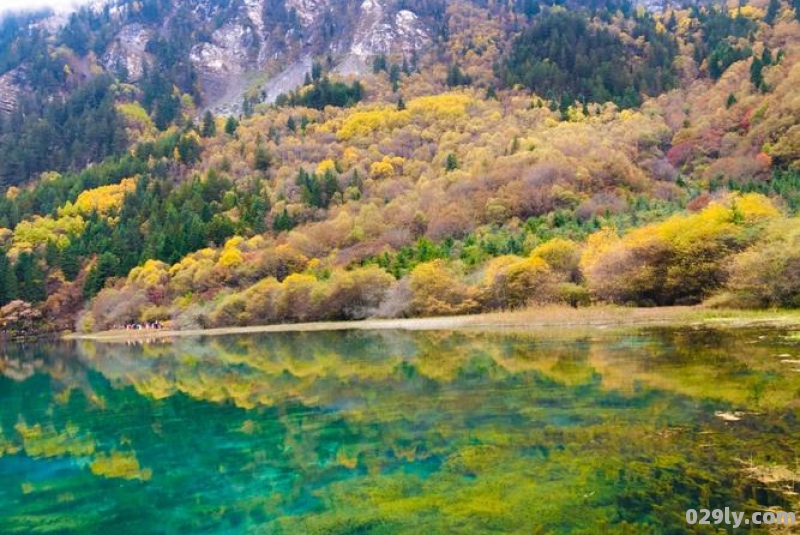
(399,432)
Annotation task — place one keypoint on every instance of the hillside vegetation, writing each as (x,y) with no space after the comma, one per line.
(533,155)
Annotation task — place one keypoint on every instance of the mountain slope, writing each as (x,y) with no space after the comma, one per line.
(432,184)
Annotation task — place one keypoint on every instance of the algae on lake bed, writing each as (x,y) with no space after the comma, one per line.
(399,432)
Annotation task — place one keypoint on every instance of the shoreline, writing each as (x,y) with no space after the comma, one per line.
(556,317)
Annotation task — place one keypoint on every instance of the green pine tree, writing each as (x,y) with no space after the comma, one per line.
(452,162)
(8,280)
(231,125)
(209,128)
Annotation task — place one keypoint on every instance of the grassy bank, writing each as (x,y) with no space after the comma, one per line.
(551,317)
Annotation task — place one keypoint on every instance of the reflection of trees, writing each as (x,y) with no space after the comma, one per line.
(372,374)
(45,381)
(738,367)
(331,370)
(413,431)
(55,359)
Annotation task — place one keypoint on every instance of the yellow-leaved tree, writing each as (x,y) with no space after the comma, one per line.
(679,261)
(512,282)
(437,291)
(768,274)
(105,200)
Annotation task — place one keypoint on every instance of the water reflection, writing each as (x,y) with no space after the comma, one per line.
(397,432)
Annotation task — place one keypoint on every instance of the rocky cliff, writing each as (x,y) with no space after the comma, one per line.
(262,46)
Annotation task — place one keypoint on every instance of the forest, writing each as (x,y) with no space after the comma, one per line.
(563,58)
(536,154)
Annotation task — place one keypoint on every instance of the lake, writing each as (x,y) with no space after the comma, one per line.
(385,432)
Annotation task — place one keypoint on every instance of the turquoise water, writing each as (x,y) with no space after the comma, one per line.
(399,432)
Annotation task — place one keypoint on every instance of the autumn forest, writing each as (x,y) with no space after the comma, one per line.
(533,154)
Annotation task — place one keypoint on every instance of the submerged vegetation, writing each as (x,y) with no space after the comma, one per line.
(401,432)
